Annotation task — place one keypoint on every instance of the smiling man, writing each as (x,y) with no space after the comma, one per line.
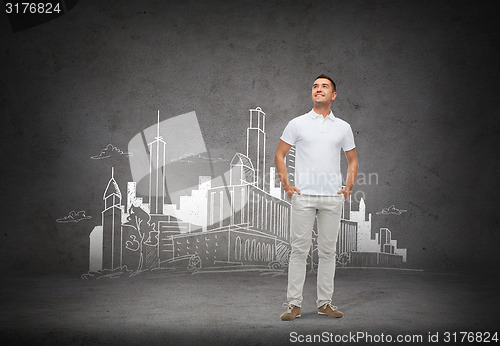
(318,195)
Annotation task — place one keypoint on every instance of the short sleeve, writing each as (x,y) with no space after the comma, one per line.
(348,141)
(289,133)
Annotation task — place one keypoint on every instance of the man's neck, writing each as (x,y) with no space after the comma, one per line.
(324,110)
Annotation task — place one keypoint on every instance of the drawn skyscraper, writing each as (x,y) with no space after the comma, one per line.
(111,225)
(256,145)
(157,166)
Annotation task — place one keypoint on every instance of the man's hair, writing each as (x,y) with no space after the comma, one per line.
(331,80)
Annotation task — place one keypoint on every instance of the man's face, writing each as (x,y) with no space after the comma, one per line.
(322,91)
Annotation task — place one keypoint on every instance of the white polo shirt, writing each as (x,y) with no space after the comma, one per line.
(318,142)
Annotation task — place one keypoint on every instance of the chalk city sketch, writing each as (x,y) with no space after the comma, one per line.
(237,220)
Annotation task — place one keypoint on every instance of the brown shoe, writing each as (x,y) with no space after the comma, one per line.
(291,313)
(329,310)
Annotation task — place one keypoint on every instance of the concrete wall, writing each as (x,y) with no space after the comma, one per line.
(416,81)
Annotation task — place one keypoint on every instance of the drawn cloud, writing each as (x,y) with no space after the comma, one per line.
(391,210)
(108,152)
(189,158)
(74,217)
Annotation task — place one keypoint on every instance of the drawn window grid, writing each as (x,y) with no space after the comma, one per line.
(270,221)
(271,218)
(275,218)
(280,221)
(231,201)
(349,235)
(243,205)
(233,205)
(263,219)
(261,206)
(353,238)
(253,209)
(247,249)
(266,213)
(212,209)
(221,208)
(345,244)
(237,249)
(282,211)
(257,213)
(287,224)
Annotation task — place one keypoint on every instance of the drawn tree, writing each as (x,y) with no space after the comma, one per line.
(145,241)
(343,259)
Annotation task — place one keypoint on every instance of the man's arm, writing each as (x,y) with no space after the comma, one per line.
(352,172)
(279,161)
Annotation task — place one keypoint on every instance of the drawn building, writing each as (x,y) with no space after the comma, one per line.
(105,240)
(245,223)
(256,145)
(377,249)
(157,179)
(274,183)
(347,240)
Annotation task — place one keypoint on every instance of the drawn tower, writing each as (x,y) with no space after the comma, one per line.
(157,180)
(111,225)
(256,145)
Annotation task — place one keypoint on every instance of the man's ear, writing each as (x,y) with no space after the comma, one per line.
(334,95)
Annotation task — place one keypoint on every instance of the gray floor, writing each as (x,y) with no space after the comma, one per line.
(241,308)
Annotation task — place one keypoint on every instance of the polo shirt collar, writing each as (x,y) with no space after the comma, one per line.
(314,115)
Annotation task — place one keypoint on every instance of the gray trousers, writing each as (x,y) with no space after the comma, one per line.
(327,210)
